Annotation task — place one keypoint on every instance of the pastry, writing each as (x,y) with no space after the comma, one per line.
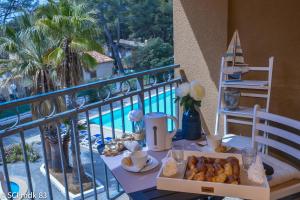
(192,161)
(190,174)
(228,169)
(127,161)
(200,176)
(221,149)
(213,169)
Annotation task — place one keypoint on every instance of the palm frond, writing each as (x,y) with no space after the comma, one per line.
(56,56)
(88,61)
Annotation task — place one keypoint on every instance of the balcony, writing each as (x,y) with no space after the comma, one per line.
(98,120)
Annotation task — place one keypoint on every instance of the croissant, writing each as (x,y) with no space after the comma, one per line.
(201,167)
(228,169)
(236,169)
(192,161)
(221,178)
(190,174)
(200,176)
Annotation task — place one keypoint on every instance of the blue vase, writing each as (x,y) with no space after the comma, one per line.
(191,124)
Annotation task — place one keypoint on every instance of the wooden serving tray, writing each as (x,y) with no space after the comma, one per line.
(246,189)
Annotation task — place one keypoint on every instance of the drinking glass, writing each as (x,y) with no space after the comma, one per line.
(248,156)
(178,151)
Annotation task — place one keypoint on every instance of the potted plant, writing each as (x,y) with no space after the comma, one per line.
(190,96)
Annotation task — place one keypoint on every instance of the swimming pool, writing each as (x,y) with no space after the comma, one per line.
(15,188)
(170,105)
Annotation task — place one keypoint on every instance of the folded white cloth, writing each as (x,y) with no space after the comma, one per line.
(256,171)
(169,167)
(283,172)
(132,146)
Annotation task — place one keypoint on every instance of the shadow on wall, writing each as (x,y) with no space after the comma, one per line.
(208,21)
(203,16)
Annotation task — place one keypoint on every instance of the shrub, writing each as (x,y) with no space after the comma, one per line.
(14,153)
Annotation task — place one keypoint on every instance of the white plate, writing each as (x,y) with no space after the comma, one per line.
(151,165)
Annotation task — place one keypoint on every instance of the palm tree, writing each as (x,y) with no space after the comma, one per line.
(73,26)
(26,51)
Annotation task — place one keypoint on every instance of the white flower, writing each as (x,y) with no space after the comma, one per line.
(135,115)
(197,91)
(183,90)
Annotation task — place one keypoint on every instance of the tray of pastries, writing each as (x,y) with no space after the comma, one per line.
(211,173)
(220,170)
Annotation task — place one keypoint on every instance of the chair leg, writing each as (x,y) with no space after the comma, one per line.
(225,125)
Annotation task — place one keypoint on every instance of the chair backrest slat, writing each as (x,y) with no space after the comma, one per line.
(279,119)
(278,132)
(268,129)
(277,145)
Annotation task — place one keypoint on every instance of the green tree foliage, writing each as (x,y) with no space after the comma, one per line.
(156,53)
(52,43)
(151,19)
(9,9)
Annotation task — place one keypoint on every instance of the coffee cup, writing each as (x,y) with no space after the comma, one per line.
(214,141)
(139,158)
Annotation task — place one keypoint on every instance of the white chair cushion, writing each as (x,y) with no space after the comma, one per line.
(283,172)
(237,141)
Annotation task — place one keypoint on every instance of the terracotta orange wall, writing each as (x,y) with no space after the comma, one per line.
(272,28)
(203,29)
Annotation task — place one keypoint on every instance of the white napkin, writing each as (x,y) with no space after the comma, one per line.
(132,146)
(170,166)
(256,171)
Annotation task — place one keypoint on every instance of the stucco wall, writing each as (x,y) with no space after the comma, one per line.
(272,28)
(200,28)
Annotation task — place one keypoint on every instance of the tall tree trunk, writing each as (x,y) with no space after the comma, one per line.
(112,45)
(70,69)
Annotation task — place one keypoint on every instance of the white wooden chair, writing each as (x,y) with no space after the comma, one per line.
(286,178)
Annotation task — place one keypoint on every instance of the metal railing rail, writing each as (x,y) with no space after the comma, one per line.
(55,116)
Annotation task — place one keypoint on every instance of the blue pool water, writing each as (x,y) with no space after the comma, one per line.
(117,113)
(15,188)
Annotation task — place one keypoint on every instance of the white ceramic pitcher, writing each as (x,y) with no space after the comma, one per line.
(157,136)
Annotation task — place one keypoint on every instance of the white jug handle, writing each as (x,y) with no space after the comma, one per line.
(171,135)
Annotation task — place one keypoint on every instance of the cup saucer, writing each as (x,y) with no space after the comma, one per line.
(152,163)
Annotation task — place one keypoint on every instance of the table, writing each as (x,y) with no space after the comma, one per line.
(139,185)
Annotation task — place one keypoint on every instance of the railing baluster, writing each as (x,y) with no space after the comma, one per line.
(177,106)
(140,86)
(46,163)
(165,100)
(157,100)
(62,160)
(132,124)
(25,156)
(112,121)
(122,114)
(171,103)
(101,124)
(6,175)
(77,152)
(91,152)
(150,101)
